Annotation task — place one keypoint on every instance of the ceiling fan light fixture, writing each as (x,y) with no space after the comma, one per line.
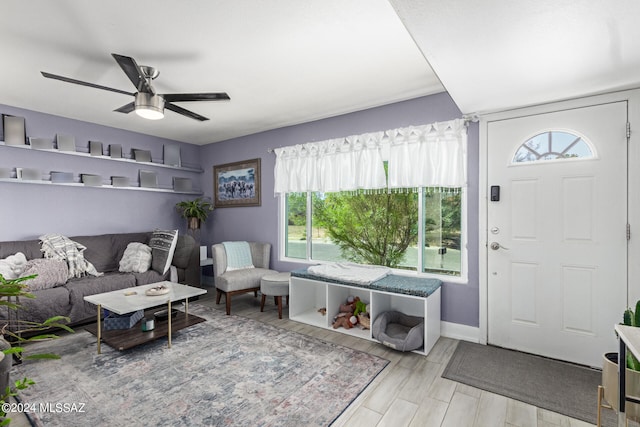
(149,106)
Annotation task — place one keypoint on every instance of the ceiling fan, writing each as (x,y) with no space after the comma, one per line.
(148,103)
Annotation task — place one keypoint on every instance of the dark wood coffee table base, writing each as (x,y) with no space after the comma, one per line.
(123,339)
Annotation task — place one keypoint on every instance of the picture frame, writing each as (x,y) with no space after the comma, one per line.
(237,184)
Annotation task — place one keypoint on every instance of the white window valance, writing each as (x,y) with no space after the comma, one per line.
(431,155)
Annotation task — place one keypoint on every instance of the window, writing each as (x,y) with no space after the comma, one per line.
(379,228)
(553,145)
(392,198)
(442,232)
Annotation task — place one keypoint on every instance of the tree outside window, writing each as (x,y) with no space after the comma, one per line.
(379,228)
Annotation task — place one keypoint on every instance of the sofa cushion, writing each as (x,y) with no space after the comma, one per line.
(99,251)
(30,248)
(241,279)
(50,273)
(48,303)
(150,276)
(136,258)
(79,288)
(106,250)
(184,250)
(163,245)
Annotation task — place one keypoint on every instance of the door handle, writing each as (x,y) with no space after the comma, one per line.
(495,246)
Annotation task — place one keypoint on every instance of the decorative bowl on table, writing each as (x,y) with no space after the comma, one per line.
(157,290)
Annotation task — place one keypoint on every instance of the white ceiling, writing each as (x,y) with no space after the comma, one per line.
(285,62)
(282,62)
(493,55)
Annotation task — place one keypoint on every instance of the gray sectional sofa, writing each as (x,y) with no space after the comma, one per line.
(104,252)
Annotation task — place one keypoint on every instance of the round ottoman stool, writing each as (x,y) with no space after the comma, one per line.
(277,286)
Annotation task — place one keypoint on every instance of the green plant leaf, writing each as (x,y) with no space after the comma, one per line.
(42,337)
(55,319)
(197,208)
(43,356)
(626,317)
(13,350)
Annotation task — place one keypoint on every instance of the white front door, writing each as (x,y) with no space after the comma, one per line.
(557,256)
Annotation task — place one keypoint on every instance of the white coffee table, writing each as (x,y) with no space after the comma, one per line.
(129,300)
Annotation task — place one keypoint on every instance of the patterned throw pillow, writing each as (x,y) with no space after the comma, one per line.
(136,258)
(163,245)
(51,273)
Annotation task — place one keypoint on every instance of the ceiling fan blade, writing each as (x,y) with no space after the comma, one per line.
(79,82)
(133,71)
(177,97)
(184,112)
(126,108)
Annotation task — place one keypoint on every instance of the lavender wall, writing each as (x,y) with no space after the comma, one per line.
(460,302)
(31,210)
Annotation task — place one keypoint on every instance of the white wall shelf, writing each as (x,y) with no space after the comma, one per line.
(79,184)
(307,296)
(115,159)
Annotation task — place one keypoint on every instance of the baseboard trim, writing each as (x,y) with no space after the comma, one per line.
(460,332)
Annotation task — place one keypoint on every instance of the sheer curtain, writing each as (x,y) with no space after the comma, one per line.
(432,155)
(342,164)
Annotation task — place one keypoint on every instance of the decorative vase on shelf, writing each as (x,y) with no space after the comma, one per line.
(193,223)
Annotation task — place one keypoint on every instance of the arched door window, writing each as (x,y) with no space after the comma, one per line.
(553,145)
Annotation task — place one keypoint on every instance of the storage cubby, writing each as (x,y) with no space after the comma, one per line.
(407,304)
(307,296)
(337,295)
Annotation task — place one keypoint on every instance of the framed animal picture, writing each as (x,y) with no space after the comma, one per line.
(237,184)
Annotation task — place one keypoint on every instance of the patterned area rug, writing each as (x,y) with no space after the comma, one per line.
(228,371)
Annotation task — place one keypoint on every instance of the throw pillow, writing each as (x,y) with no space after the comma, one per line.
(238,255)
(51,273)
(12,266)
(163,244)
(136,258)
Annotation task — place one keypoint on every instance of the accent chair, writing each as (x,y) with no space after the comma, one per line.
(242,280)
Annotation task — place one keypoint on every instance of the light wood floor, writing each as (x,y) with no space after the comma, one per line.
(410,391)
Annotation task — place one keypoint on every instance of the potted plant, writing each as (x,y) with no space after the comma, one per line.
(195,211)
(10,291)
(609,388)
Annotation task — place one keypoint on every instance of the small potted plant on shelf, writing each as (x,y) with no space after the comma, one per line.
(11,338)
(609,388)
(194,211)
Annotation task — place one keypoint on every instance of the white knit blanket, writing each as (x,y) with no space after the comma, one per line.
(56,246)
(350,272)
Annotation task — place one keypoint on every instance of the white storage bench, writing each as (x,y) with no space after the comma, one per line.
(414,296)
